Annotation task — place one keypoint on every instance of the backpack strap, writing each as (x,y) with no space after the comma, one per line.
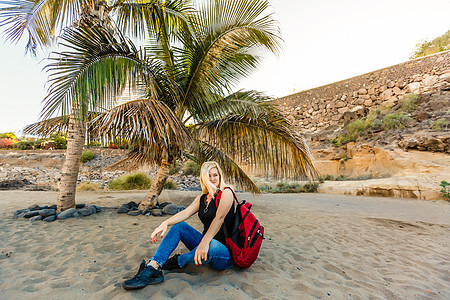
(219,194)
(217,197)
(234,195)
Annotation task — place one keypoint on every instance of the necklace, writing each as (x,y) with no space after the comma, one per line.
(207,203)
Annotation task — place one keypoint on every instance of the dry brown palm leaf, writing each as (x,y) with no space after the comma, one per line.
(150,127)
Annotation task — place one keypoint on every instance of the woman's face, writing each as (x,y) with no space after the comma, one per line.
(214,177)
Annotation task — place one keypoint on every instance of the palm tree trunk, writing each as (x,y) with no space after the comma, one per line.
(71,165)
(157,186)
(97,12)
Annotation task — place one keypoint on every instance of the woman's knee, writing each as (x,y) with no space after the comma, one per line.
(179,226)
(218,250)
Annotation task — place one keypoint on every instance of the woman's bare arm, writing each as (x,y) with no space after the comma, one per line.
(226,201)
(177,218)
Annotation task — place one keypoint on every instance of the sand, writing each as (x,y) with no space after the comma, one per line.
(316,247)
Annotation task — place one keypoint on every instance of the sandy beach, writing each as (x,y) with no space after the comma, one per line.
(317,246)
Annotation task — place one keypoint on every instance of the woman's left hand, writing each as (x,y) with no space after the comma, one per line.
(201,253)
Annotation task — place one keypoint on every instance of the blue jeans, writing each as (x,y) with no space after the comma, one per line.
(219,257)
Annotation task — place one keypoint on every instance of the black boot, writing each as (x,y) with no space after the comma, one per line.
(171,263)
(145,276)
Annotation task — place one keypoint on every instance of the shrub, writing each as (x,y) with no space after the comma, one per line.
(345,178)
(408,103)
(350,133)
(87,156)
(94,144)
(7,143)
(60,140)
(445,189)
(336,141)
(264,188)
(24,145)
(354,129)
(439,124)
(135,181)
(87,186)
(327,177)
(394,121)
(170,185)
(8,135)
(174,168)
(311,187)
(284,187)
(120,143)
(191,168)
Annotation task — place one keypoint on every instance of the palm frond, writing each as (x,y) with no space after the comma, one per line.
(57,124)
(93,71)
(149,125)
(200,152)
(152,18)
(40,19)
(238,103)
(47,127)
(265,143)
(220,55)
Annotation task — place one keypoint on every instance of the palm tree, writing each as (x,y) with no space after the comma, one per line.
(188,110)
(188,74)
(42,18)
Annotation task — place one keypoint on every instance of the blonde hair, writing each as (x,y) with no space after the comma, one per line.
(207,186)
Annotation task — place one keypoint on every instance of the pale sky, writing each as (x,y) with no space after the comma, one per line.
(324,41)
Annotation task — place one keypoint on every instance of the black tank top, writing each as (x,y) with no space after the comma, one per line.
(207,216)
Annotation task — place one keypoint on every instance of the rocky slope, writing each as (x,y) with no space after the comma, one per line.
(407,162)
(41,170)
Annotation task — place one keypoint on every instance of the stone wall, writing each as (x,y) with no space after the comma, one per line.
(339,103)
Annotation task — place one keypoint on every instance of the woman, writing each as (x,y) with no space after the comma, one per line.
(205,248)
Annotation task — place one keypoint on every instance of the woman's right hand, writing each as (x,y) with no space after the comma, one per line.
(161,228)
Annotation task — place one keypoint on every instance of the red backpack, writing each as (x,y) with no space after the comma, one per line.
(246,237)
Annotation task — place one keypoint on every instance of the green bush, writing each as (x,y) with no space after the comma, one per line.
(191,168)
(439,44)
(394,121)
(60,140)
(327,177)
(24,145)
(170,185)
(408,103)
(174,168)
(439,124)
(87,156)
(345,178)
(350,133)
(445,189)
(135,181)
(311,187)
(94,144)
(284,187)
(87,186)
(337,141)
